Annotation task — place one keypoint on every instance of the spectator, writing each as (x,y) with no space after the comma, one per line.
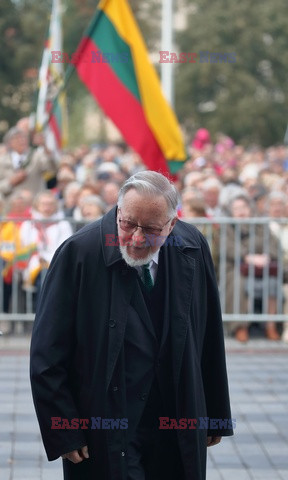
(109,194)
(194,207)
(188,194)
(193,179)
(44,233)
(85,171)
(276,208)
(227,195)
(20,205)
(85,191)
(70,198)
(23,167)
(238,283)
(258,193)
(10,248)
(91,209)
(65,175)
(201,140)
(211,189)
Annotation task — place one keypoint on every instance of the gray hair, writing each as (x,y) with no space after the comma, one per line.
(276,195)
(148,182)
(12,133)
(70,187)
(45,193)
(93,200)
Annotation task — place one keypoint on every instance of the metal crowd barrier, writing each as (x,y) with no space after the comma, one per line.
(218,234)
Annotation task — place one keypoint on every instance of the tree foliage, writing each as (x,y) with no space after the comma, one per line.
(23,28)
(246,99)
(17,61)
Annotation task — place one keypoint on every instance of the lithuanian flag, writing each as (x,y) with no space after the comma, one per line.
(113,63)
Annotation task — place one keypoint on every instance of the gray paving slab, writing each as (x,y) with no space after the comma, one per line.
(258,378)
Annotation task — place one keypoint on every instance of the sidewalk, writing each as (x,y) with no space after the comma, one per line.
(258,378)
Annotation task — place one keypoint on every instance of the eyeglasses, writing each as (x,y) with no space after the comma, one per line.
(131,227)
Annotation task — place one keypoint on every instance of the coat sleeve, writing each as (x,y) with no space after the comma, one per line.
(213,363)
(51,357)
(6,171)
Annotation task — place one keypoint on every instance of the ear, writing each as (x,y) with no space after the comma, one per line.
(172,225)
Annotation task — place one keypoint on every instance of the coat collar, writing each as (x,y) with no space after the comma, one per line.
(109,238)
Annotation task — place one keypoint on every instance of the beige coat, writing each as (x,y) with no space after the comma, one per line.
(38,163)
(235,282)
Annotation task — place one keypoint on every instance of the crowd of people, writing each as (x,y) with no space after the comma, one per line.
(44,200)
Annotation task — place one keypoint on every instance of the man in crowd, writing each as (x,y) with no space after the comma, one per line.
(22,167)
(128,344)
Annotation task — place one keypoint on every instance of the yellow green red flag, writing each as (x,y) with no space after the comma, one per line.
(113,63)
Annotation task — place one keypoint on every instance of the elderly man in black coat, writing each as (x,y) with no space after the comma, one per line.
(128,366)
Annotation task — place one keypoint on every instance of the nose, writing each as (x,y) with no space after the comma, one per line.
(138,237)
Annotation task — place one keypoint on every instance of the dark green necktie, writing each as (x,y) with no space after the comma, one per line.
(147,277)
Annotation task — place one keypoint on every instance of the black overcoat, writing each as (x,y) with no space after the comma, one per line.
(77,347)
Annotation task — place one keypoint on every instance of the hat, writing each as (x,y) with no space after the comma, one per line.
(201,139)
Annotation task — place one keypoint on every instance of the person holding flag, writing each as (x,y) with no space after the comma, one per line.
(23,167)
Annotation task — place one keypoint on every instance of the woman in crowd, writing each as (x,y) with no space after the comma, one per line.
(250,252)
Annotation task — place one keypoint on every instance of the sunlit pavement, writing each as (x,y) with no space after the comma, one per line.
(258,378)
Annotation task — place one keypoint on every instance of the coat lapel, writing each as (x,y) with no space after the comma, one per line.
(181,263)
(124,286)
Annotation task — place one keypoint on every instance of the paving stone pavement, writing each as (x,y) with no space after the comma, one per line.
(258,378)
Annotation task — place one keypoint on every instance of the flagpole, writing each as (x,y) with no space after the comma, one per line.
(167,45)
(71,67)
(285,141)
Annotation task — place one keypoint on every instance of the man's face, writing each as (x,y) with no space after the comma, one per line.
(47,206)
(150,212)
(240,209)
(19,143)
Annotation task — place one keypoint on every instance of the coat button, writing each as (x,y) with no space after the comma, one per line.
(143,396)
(112,324)
(123,454)
(115,389)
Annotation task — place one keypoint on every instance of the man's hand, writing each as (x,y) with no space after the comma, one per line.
(77,456)
(213,441)
(18,177)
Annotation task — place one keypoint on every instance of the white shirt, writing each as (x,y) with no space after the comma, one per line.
(17,159)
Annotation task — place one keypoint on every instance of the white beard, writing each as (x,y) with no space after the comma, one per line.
(132,262)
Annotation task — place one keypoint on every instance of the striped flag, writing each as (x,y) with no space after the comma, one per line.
(113,63)
(51,114)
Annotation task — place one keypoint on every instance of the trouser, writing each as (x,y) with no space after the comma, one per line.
(153,454)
